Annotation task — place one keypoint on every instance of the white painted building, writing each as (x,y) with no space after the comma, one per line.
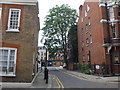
(42,54)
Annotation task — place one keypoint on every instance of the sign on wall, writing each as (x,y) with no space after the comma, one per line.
(97,66)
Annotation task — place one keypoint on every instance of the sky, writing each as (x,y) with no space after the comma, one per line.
(45,5)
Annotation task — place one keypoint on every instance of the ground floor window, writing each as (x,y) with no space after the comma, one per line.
(116,56)
(7,61)
(114,33)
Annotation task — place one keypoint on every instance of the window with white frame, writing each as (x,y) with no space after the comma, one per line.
(119,11)
(0,12)
(114,33)
(88,57)
(90,39)
(88,8)
(41,58)
(86,13)
(87,41)
(7,61)
(89,21)
(44,58)
(41,53)
(111,11)
(116,56)
(86,27)
(45,54)
(14,19)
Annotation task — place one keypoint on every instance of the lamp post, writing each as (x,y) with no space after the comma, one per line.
(46,70)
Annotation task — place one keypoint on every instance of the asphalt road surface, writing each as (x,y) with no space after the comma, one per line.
(70,81)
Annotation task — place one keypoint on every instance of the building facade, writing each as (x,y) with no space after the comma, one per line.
(19,26)
(42,55)
(99,36)
(58,59)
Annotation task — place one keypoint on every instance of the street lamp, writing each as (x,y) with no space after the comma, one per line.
(46,70)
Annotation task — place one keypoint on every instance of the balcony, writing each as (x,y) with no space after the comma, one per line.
(111,42)
(115,40)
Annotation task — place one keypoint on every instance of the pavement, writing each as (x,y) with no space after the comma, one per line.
(92,77)
(53,81)
(38,82)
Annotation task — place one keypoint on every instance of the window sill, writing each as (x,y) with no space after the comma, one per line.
(16,30)
(8,75)
(116,63)
(115,38)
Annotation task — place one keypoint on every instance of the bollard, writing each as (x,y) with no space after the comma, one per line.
(45,73)
(46,76)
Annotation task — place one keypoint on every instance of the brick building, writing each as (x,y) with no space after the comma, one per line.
(58,59)
(19,26)
(99,36)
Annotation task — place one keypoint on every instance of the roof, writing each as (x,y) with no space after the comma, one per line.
(26,2)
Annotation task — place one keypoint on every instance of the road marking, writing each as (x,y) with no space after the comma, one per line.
(59,83)
(84,78)
(73,75)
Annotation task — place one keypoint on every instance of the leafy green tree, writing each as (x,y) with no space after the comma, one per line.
(57,24)
(73,44)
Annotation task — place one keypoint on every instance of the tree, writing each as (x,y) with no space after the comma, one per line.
(57,24)
(73,44)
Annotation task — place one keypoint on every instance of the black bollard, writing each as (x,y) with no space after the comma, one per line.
(46,76)
(45,73)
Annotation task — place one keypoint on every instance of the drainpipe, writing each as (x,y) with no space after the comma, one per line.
(108,38)
(108,28)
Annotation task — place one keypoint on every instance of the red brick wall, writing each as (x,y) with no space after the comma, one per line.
(95,30)
(25,41)
(98,31)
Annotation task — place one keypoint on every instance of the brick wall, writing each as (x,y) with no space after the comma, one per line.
(26,41)
(99,32)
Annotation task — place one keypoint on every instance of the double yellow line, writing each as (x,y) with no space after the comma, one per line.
(70,74)
(59,83)
(84,78)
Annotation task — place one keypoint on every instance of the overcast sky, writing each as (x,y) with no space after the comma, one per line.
(45,5)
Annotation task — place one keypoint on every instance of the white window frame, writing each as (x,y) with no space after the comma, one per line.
(0,12)
(14,30)
(86,27)
(8,61)
(87,40)
(86,13)
(91,39)
(119,11)
(116,57)
(89,22)
(114,34)
(111,12)
(88,8)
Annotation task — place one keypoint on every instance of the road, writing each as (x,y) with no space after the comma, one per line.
(67,80)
